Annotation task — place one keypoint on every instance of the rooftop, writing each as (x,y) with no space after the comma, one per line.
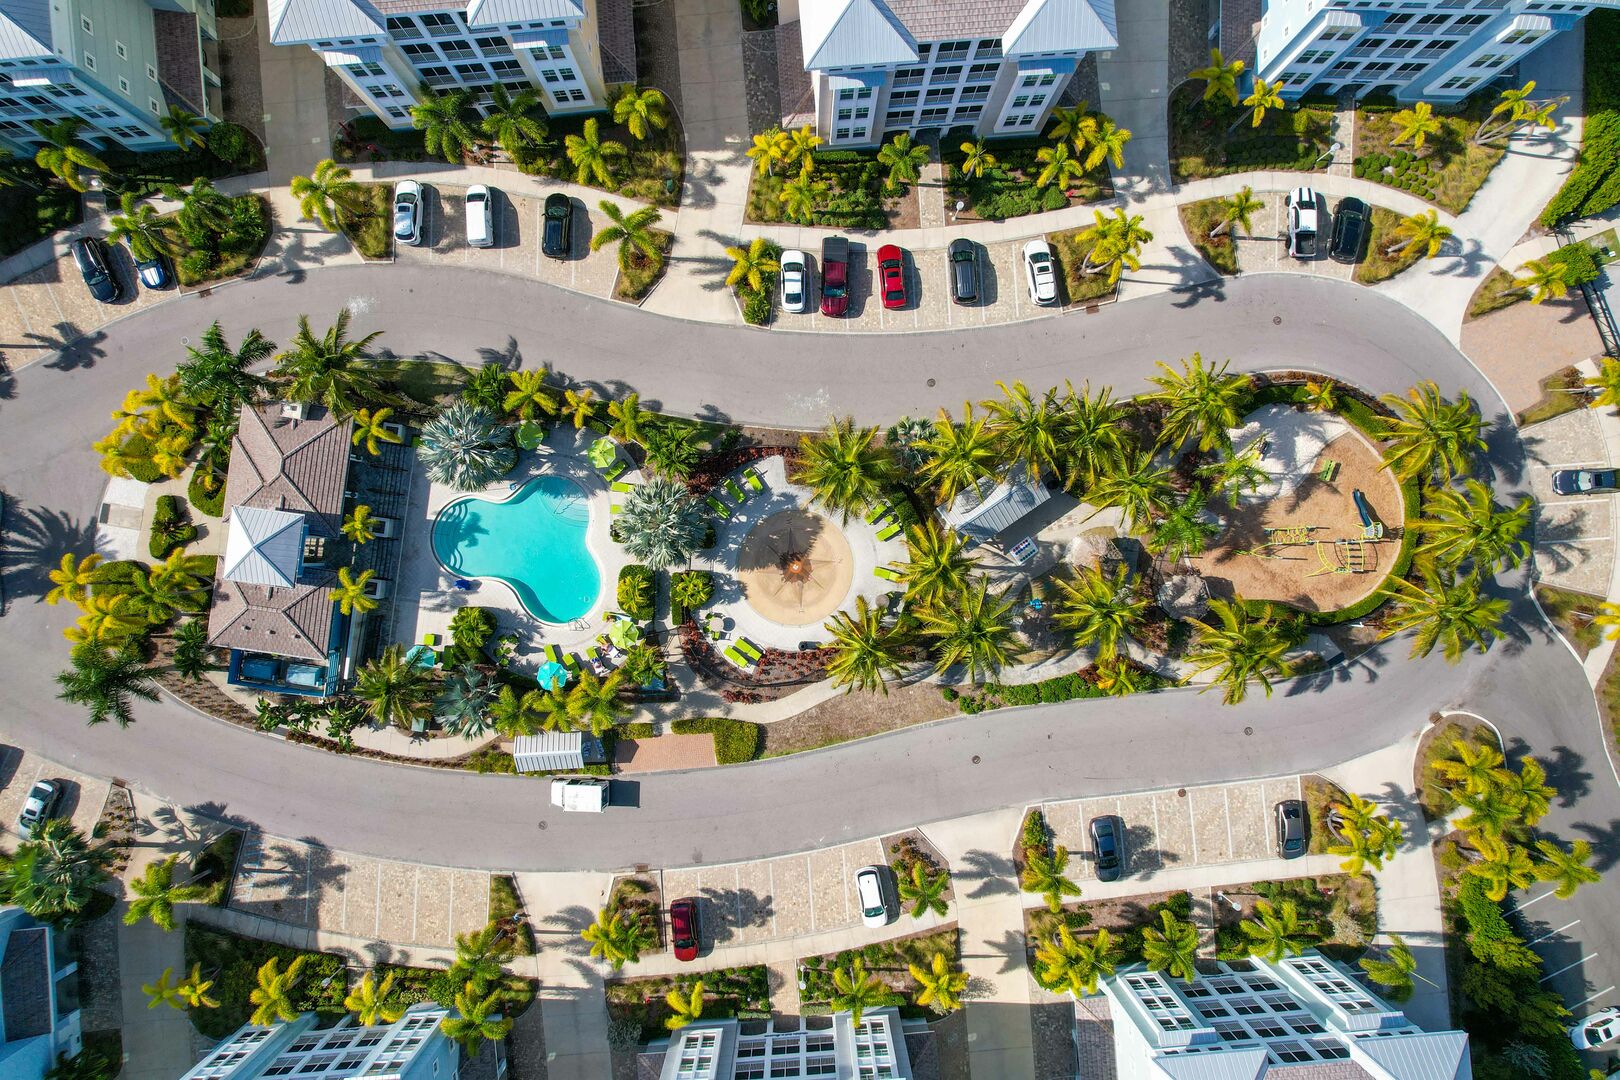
(25,985)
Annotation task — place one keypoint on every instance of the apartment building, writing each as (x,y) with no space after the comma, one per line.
(877,67)
(411,1048)
(39,997)
(1306,1015)
(384,50)
(1430,50)
(874,1049)
(115,64)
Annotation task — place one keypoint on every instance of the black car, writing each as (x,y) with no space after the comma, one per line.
(1349,230)
(1105,845)
(1585,481)
(557,237)
(90,256)
(1290,829)
(964,263)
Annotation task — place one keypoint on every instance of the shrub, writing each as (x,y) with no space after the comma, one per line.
(735,741)
(470,630)
(688,590)
(762,12)
(638,592)
(1580,262)
(228,142)
(171,527)
(1594,186)
(756,307)
(210,502)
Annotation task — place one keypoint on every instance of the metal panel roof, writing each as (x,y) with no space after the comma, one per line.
(25,30)
(504,12)
(264,547)
(294,22)
(987,510)
(853,33)
(1222,1065)
(1421,1056)
(549,750)
(1062,26)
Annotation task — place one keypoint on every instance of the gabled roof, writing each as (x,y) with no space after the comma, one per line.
(25,30)
(294,622)
(1422,1056)
(502,12)
(1226,1065)
(294,22)
(264,547)
(281,463)
(987,508)
(1062,25)
(852,33)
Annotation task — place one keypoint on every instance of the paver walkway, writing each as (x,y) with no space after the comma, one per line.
(571,999)
(157,1042)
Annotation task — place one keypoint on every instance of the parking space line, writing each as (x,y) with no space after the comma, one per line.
(1566,967)
(770,876)
(810,892)
(1226,799)
(1594,997)
(1192,829)
(1158,836)
(1560,930)
(1543,896)
(29,327)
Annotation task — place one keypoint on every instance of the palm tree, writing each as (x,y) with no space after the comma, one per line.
(221,378)
(854,991)
(1220,78)
(194,990)
(1237,473)
(594,703)
(1429,434)
(1138,488)
(395,692)
(976,160)
(165,990)
(369,1002)
(107,620)
(1107,142)
(770,149)
(273,997)
(903,158)
(1528,790)
(481,955)
(476,1018)
(641,110)
(1491,816)
(1026,430)
(350,591)
(1043,875)
(1395,972)
(1568,868)
(972,629)
(1422,231)
(1321,395)
(1444,610)
(959,455)
(464,701)
(1242,647)
(866,653)
(513,121)
(445,122)
(938,567)
(843,467)
(332,370)
(156,894)
(146,232)
(1116,243)
(55,873)
(203,206)
(191,657)
(515,714)
(1172,946)
(1093,438)
(1277,932)
(1476,768)
(530,394)
(939,985)
(1519,111)
(1058,166)
(1099,609)
(615,939)
(1503,866)
(801,196)
(801,148)
(1542,278)
(63,155)
(1606,383)
(1063,962)
(1263,96)
(105,681)
(1367,846)
(1203,402)
(72,578)
(1238,209)
(628,421)
(684,1006)
(633,232)
(1073,126)
(360,526)
(662,523)
(592,155)
(924,889)
(752,263)
(372,429)
(1416,124)
(1467,524)
(1183,530)
(184,129)
(324,192)
(466,447)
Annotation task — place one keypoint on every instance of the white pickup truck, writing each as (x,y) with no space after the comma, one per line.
(580,794)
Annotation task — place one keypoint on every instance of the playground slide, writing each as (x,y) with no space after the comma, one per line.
(1362,508)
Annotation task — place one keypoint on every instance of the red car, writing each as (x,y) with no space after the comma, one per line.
(834,276)
(892,276)
(683,928)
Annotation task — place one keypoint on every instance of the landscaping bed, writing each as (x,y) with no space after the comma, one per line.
(1080,684)
(1379,264)
(1124,917)
(1075,286)
(1573,613)
(1563,391)
(1320,795)
(1343,911)
(31,214)
(740,992)
(888,960)
(1594,186)
(735,741)
(1446,171)
(651,171)
(233,963)
(1198,218)
(1203,142)
(370,226)
(506,910)
(640,272)
(214,867)
(1009,189)
(206,256)
(1436,745)
(854,198)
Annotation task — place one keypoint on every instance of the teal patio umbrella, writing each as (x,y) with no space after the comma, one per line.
(551,675)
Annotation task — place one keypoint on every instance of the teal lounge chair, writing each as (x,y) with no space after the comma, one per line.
(737,494)
(753,479)
(718,507)
(890,533)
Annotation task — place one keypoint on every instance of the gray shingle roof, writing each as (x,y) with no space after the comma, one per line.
(25,985)
(930,20)
(616,34)
(295,21)
(25,29)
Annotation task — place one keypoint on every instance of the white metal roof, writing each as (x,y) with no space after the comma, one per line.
(506,12)
(25,30)
(852,33)
(1220,1065)
(1421,1056)
(1062,26)
(264,547)
(294,22)
(549,750)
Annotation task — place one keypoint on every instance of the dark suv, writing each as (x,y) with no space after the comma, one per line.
(964,271)
(1290,829)
(557,234)
(1349,230)
(1106,845)
(90,256)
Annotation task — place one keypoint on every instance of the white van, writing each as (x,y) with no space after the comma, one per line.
(579,794)
(480,217)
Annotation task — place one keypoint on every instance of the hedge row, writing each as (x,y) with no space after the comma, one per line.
(171,527)
(638,592)
(735,741)
(1594,186)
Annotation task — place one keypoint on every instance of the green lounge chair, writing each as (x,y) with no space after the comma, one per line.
(718,507)
(754,480)
(614,509)
(731,653)
(571,662)
(878,515)
(888,573)
(622,488)
(613,471)
(553,654)
(890,533)
(737,494)
(748,649)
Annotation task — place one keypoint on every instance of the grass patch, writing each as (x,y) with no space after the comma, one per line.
(208,256)
(370,227)
(214,867)
(1450,167)
(1437,745)
(28,215)
(427,382)
(1380,265)
(640,273)
(233,962)
(506,908)
(1496,292)
(1075,286)
(741,992)
(1342,910)
(1561,392)
(490,760)
(1572,612)
(1320,795)
(1203,142)
(1198,219)
(735,741)
(1009,189)
(1079,684)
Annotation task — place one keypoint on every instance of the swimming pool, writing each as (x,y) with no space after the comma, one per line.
(534,542)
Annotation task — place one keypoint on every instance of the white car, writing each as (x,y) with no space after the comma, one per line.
(408,212)
(1304,224)
(579,794)
(870,895)
(1596,1030)
(795,282)
(1040,272)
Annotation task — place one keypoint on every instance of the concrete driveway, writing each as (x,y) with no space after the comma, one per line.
(1574,533)
(82,796)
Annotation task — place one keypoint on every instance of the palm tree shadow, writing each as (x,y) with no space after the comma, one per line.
(991,872)
(508,358)
(1010,948)
(565,926)
(33,543)
(74,348)
(1605,841)
(715,267)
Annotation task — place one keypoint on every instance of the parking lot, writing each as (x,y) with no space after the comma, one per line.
(517,241)
(1264,247)
(48,309)
(1574,533)
(82,797)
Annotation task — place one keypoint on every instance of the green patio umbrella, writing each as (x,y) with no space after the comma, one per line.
(624,633)
(529,434)
(603,452)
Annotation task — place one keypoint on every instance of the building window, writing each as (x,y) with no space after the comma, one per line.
(1330,1051)
(420,52)
(151,72)
(89,62)
(472,73)
(86,25)
(123,85)
(1522,37)
(942,94)
(952,50)
(841,133)
(440,24)
(1409,70)
(494,46)
(947,74)
(1433,48)
(368,69)
(507,69)
(974,93)
(1291,1052)
(989,49)
(456,49)
(403,29)
(968,112)
(1458,83)
(982,72)
(897,117)
(437,76)
(908,77)
(933,116)
(903,97)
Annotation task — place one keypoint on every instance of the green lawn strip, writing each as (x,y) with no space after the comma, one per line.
(1075,286)
(215,865)
(642,1003)
(735,741)
(206,256)
(1204,142)
(888,960)
(1496,292)
(1558,396)
(233,963)
(370,227)
(1009,189)
(1079,684)
(29,214)
(854,199)
(1572,612)
(1379,264)
(1198,218)
(637,279)
(1446,171)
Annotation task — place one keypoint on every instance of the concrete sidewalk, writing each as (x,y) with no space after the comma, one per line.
(572,1003)
(1135,90)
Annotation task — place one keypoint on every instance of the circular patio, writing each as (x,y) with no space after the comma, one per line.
(795,567)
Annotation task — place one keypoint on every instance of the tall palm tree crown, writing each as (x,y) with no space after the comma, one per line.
(324,192)
(865,650)
(1445,610)
(466,447)
(105,681)
(662,523)
(142,228)
(220,377)
(593,157)
(1101,610)
(1241,646)
(843,467)
(1064,962)
(1203,402)
(1220,78)
(1172,947)
(63,155)
(1420,231)
(976,160)
(752,263)
(973,629)
(640,111)
(1543,278)
(395,692)
(445,121)
(633,232)
(1468,525)
(1430,435)
(331,370)
(1416,125)
(903,158)
(513,120)
(959,455)
(183,128)
(938,566)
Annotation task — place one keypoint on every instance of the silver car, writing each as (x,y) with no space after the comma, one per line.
(408,212)
(38,807)
(795,275)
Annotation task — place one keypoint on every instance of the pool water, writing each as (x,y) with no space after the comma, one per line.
(534,542)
